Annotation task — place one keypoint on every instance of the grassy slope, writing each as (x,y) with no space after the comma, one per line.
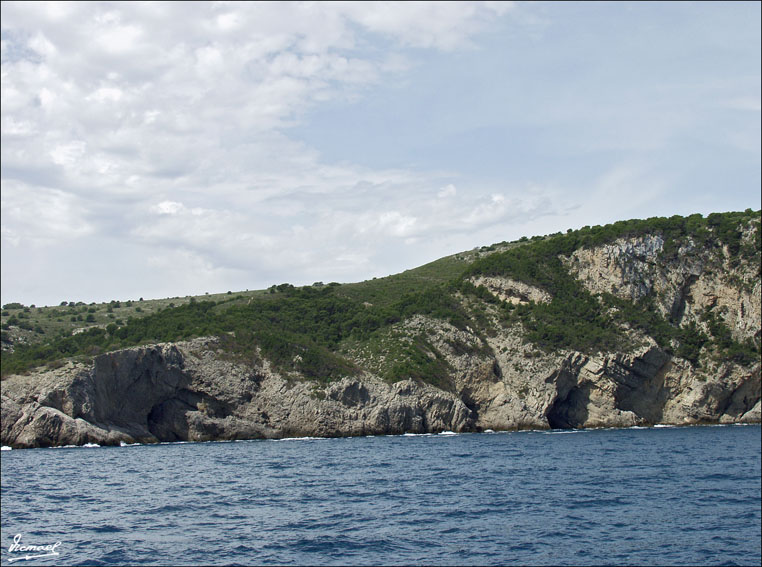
(50,321)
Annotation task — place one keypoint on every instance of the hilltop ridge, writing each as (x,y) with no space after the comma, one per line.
(638,322)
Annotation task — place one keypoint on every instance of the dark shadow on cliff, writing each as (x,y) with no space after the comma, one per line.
(570,411)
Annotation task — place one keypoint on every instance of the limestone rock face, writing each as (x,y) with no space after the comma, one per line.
(695,280)
(186,391)
(626,268)
(522,388)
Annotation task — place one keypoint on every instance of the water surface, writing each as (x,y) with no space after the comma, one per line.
(637,496)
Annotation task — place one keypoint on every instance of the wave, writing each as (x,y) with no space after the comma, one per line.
(5,448)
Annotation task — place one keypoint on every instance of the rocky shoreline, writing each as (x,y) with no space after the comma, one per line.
(190,391)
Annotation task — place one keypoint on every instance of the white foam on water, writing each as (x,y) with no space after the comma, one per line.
(526,431)
(488,431)
(89,445)
(5,448)
(448,433)
(300,438)
(663,425)
(123,444)
(64,447)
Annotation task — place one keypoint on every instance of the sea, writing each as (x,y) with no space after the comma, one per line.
(640,496)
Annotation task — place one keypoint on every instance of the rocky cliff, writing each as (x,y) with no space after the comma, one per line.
(190,391)
(493,377)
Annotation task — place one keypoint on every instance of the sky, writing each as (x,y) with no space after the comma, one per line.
(165,149)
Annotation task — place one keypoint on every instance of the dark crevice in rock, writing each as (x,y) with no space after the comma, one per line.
(678,306)
(470,402)
(640,388)
(570,411)
(167,421)
(741,400)
(355,394)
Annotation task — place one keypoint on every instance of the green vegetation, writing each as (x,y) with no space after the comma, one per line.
(575,319)
(382,292)
(572,319)
(726,347)
(419,360)
(323,332)
(295,328)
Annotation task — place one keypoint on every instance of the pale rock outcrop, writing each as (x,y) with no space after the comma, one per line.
(512,291)
(626,268)
(695,281)
(754,415)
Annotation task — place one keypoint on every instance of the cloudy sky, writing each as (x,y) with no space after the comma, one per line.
(164,149)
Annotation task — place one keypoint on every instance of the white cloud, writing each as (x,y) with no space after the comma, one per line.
(14,127)
(448,190)
(167,208)
(40,44)
(395,223)
(47,98)
(442,25)
(69,153)
(106,94)
(42,216)
(165,131)
(228,21)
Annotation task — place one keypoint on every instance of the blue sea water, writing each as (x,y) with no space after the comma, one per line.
(658,496)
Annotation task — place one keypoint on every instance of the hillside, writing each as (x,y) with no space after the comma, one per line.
(639,322)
